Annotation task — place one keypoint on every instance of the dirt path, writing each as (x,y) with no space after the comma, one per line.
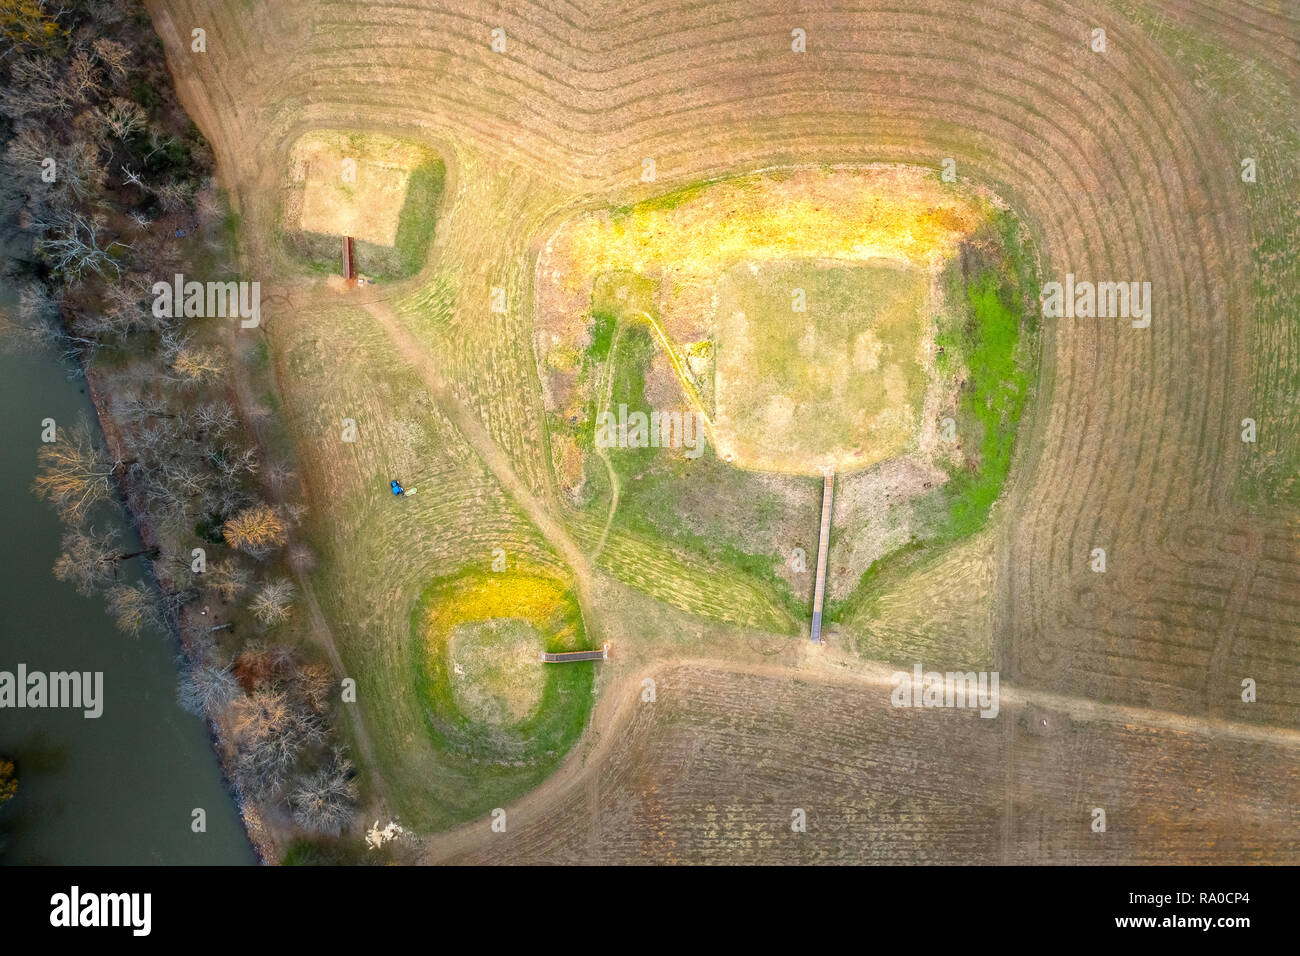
(679,368)
(615,486)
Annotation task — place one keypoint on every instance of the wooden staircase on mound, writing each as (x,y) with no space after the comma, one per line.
(823,553)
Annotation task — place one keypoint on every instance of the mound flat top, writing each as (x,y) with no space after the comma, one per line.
(367,206)
(496,674)
(837,386)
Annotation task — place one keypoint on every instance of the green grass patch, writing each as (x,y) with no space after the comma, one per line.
(990,340)
(418,219)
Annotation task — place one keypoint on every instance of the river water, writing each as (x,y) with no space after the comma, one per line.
(121,788)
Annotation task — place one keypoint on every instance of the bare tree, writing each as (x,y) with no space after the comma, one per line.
(75,472)
(133,405)
(35,323)
(207,688)
(34,87)
(256,530)
(113,55)
(156,440)
(88,558)
(273,602)
(165,504)
(270,734)
(104,12)
(74,246)
(325,801)
(279,475)
(112,324)
(122,117)
(232,461)
(134,607)
(79,175)
(315,684)
(187,477)
(81,79)
(214,419)
(228,578)
(27,151)
(174,196)
(194,365)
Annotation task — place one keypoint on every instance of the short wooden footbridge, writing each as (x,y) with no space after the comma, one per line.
(563,657)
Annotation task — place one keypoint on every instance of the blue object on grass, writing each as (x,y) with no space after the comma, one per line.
(397,489)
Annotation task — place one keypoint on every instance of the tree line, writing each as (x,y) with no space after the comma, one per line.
(109,187)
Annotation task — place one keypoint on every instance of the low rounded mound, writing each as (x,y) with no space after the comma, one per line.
(479,639)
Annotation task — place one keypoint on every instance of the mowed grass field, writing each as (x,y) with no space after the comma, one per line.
(369,561)
(1124,166)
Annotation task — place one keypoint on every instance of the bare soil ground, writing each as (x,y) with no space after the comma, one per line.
(713,770)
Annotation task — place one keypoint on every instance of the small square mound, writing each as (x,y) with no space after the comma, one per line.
(354,185)
(837,386)
(382,192)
